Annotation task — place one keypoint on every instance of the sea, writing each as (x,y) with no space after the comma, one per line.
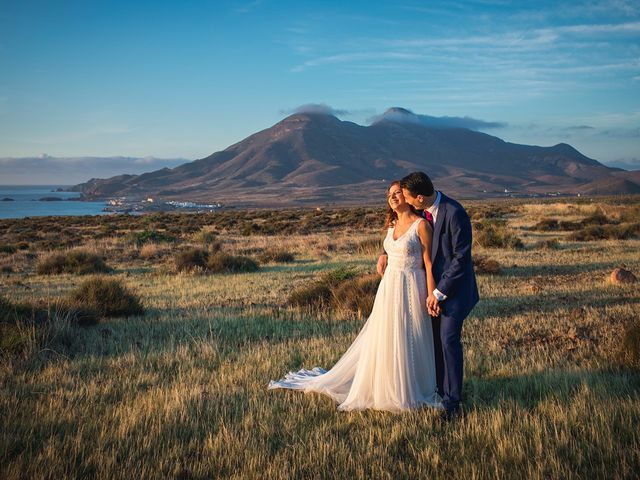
(26,202)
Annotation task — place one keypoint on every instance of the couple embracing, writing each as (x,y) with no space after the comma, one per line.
(409,353)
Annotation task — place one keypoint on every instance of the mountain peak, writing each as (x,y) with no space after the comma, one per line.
(399,115)
(398,111)
(304,118)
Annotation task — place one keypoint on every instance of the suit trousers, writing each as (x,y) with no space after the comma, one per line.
(449,359)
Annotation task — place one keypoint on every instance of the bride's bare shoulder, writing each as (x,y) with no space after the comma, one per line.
(424,227)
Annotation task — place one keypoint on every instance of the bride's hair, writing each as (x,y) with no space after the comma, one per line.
(392,217)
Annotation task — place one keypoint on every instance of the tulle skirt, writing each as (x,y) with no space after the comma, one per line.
(391,364)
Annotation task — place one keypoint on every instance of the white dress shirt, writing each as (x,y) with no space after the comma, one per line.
(433,209)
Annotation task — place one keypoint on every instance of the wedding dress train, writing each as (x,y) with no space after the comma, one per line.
(390,365)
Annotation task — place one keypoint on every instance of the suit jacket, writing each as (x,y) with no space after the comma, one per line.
(451,259)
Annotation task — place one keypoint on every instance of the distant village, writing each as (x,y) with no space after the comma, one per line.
(150,204)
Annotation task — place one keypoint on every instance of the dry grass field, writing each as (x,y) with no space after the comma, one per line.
(552,387)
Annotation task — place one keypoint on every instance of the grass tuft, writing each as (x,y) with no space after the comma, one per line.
(549,244)
(191,259)
(276,256)
(485,265)
(8,249)
(355,296)
(221,262)
(490,234)
(79,262)
(150,236)
(109,297)
(623,231)
(340,289)
(629,352)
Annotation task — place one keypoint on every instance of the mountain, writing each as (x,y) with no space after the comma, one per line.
(317,158)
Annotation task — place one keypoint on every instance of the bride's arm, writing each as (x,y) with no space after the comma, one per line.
(425,232)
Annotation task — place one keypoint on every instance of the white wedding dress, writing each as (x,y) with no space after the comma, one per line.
(390,365)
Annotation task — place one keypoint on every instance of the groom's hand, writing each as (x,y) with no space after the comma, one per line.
(433,306)
(382,265)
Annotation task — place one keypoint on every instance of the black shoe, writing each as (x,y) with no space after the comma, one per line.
(451,415)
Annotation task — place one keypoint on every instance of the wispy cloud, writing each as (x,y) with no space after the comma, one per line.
(579,128)
(593,29)
(624,163)
(594,8)
(621,132)
(521,39)
(247,7)
(355,56)
(612,119)
(510,64)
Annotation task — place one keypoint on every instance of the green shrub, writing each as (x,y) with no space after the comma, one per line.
(208,238)
(549,244)
(312,296)
(493,235)
(191,259)
(607,232)
(552,225)
(12,312)
(82,315)
(218,262)
(356,295)
(108,297)
(16,327)
(253,228)
(486,265)
(27,329)
(221,262)
(319,293)
(13,339)
(150,236)
(338,275)
(630,214)
(370,246)
(547,224)
(276,256)
(589,234)
(628,355)
(75,261)
(8,249)
(597,218)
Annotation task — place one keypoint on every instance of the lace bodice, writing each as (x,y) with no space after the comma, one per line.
(405,253)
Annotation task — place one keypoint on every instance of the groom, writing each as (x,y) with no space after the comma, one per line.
(456,292)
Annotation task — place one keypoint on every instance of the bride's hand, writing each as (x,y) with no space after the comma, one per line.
(433,306)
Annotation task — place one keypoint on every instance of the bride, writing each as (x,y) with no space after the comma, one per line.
(390,365)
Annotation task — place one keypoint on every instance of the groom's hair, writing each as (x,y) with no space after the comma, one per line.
(418,183)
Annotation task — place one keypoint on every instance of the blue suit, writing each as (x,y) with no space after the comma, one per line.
(455,278)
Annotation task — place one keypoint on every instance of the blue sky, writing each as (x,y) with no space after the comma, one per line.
(185,79)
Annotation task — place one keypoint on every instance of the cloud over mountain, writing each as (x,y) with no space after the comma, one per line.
(321,108)
(402,115)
